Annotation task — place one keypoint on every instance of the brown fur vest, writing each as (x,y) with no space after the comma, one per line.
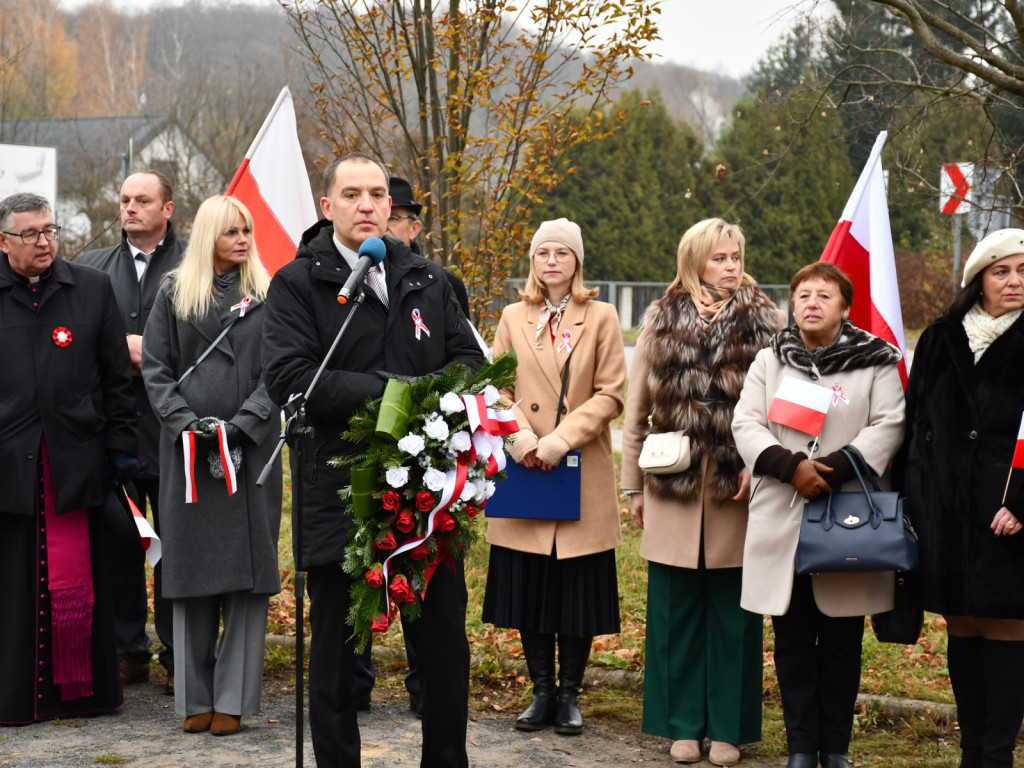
(697,372)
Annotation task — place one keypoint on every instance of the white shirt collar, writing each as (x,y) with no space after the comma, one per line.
(350,256)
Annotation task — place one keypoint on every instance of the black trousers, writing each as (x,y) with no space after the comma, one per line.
(128,566)
(365,675)
(817,660)
(439,636)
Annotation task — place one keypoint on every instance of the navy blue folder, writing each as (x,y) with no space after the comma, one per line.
(536,495)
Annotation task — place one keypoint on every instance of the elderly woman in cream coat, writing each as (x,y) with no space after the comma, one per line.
(818,620)
(555,581)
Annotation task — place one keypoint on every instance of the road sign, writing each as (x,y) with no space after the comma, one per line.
(955,187)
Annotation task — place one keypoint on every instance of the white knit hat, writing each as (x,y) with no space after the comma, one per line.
(559,231)
(990,249)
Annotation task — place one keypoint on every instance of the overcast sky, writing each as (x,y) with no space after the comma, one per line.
(727,36)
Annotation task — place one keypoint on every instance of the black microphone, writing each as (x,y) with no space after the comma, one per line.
(371,253)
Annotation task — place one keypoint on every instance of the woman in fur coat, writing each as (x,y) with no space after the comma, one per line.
(555,581)
(704,657)
(219,545)
(818,619)
(964,406)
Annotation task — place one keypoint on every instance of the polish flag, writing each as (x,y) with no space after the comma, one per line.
(1018,452)
(273,184)
(800,405)
(150,541)
(861,246)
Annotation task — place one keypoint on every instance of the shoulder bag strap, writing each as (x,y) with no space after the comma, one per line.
(209,349)
(565,384)
(861,468)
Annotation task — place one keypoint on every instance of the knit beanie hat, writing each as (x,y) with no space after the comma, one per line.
(559,231)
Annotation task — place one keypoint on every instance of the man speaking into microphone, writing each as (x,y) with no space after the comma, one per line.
(404,293)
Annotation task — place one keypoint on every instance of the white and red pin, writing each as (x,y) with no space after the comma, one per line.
(61,336)
(419,325)
(566,344)
(838,396)
(242,306)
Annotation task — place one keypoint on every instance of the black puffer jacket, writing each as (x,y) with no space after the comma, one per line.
(303,319)
(962,422)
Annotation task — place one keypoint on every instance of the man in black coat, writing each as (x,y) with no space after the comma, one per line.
(302,322)
(148,250)
(68,430)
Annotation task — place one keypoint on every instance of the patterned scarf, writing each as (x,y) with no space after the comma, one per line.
(551,316)
(982,329)
(852,349)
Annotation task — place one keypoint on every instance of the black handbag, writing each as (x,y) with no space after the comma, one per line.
(904,622)
(857,531)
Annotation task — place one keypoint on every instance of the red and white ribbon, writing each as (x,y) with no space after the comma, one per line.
(225,459)
(566,343)
(188,445)
(242,306)
(420,325)
(493,422)
(838,396)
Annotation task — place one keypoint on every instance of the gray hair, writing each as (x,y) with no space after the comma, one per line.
(21,202)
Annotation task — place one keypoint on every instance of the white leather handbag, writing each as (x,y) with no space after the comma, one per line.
(665,453)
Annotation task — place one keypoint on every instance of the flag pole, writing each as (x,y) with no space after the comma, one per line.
(1006,490)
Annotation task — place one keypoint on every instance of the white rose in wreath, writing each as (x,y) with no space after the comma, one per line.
(434,479)
(412,444)
(436,428)
(460,442)
(451,403)
(397,476)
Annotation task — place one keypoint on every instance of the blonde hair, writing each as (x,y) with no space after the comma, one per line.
(535,289)
(695,249)
(192,292)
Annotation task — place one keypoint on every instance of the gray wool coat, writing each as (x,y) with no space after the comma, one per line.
(220,543)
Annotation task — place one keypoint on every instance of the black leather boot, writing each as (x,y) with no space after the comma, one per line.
(539,650)
(966,675)
(573,653)
(1003,662)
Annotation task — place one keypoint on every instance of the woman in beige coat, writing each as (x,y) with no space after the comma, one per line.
(818,620)
(703,652)
(556,581)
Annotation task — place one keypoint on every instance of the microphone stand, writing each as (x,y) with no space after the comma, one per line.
(294,432)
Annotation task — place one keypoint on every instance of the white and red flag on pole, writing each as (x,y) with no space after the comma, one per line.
(273,184)
(150,541)
(861,246)
(800,405)
(1018,451)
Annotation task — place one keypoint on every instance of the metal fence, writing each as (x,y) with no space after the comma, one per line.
(631,299)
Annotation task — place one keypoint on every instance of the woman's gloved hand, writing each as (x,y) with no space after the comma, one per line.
(808,480)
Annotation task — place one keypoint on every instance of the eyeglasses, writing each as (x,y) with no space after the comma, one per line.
(31,236)
(394,218)
(561,255)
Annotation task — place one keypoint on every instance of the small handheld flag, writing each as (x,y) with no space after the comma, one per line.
(1017,462)
(150,541)
(800,405)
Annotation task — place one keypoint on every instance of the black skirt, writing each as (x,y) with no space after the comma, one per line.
(578,596)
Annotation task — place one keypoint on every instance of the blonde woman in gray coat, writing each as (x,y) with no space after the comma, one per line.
(219,545)
(818,620)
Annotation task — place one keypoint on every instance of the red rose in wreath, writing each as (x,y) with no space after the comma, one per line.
(375,576)
(444,522)
(424,501)
(380,624)
(471,511)
(419,552)
(391,501)
(388,543)
(405,522)
(401,591)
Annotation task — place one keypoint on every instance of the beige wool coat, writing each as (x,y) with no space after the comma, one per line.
(873,421)
(672,528)
(597,378)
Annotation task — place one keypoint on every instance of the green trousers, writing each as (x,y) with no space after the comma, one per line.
(703,657)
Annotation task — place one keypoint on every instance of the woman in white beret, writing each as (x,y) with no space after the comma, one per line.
(552,580)
(965,399)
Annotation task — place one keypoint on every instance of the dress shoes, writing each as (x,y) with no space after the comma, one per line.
(197,723)
(685,751)
(169,684)
(225,725)
(834,761)
(723,754)
(132,671)
(802,760)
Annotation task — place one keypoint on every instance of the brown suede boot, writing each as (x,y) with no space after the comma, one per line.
(197,723)
(225,725)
